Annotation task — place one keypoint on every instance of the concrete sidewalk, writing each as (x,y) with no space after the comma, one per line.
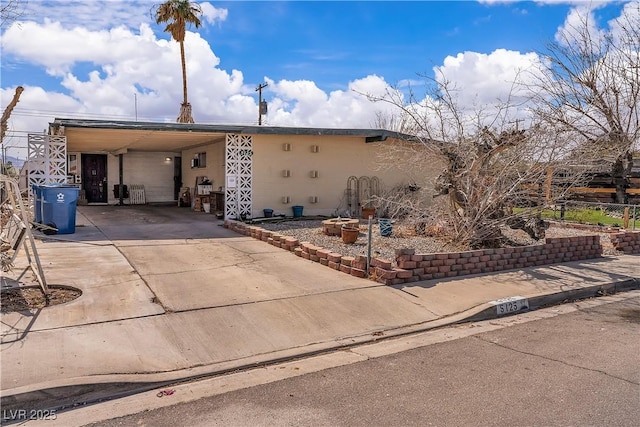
(158,307)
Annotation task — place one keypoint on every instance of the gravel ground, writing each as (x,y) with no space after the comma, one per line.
(404,237)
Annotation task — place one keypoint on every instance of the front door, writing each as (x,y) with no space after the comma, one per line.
(94,177)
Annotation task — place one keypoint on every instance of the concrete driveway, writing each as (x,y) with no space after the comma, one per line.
(189,261)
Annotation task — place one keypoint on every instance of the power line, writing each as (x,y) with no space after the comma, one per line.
(47,114)
(20,131)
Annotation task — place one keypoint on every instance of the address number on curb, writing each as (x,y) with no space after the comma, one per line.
(510,305)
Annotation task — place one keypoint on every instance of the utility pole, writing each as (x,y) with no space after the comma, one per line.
(262,105)
(517,122)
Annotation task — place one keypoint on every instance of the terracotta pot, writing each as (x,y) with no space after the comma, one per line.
(350,234)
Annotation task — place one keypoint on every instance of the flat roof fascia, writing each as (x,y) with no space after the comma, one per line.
(371,135)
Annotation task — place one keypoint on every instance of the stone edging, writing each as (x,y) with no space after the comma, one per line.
(414,267)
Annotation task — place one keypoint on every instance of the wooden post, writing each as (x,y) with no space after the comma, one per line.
(625,218)
(548,184)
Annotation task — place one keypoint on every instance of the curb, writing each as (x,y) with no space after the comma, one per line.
(83,391)
(488,310)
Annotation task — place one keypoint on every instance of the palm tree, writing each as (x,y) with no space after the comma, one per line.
(177,14)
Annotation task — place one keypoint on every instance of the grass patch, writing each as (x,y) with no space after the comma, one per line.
(589,216)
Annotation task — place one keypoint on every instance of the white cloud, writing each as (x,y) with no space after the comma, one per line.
(628,21)
(302,103)
(593,3)
(486,78)
(580,20)
(105,14)
(58,48)
(211,14)
(94,14)
(410,83)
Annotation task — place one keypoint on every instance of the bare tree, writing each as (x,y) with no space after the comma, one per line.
(494,172)
(11,10)
(589,90)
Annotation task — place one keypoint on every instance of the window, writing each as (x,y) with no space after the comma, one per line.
(72,164)
(199,160)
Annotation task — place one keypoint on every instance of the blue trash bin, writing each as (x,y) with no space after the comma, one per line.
(59,207)
(297,211)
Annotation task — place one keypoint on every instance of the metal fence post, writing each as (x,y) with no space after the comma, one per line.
(369,245)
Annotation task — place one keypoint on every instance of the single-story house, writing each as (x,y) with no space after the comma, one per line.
(252,167)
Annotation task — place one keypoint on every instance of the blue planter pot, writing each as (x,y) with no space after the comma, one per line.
(386,227)
(297,211)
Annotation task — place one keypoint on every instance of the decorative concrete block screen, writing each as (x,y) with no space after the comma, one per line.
(627,242)
(412,267)
(47,162)
(238,172)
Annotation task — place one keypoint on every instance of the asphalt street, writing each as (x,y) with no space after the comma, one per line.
(581,368)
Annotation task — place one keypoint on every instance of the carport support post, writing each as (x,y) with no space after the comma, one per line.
(120,179)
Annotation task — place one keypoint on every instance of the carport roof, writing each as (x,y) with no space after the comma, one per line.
(120,136)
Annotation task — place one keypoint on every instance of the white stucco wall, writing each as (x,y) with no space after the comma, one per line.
(337,158)
(150,169)
(214,169)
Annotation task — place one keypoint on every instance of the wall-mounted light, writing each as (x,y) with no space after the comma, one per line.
(286,147)
(286,173)
(313,174)
(285,199)
(167,159)
(315,149)
(313,199)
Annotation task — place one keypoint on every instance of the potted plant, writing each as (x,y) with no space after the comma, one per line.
(386,226)
(367,212)
(349,234)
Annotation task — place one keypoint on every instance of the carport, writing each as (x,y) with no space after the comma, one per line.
(155,151)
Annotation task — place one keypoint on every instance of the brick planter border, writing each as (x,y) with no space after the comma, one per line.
(412,267)
(627,242)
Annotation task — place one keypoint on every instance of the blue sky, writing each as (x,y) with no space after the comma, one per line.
(107,59)
(326,42)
